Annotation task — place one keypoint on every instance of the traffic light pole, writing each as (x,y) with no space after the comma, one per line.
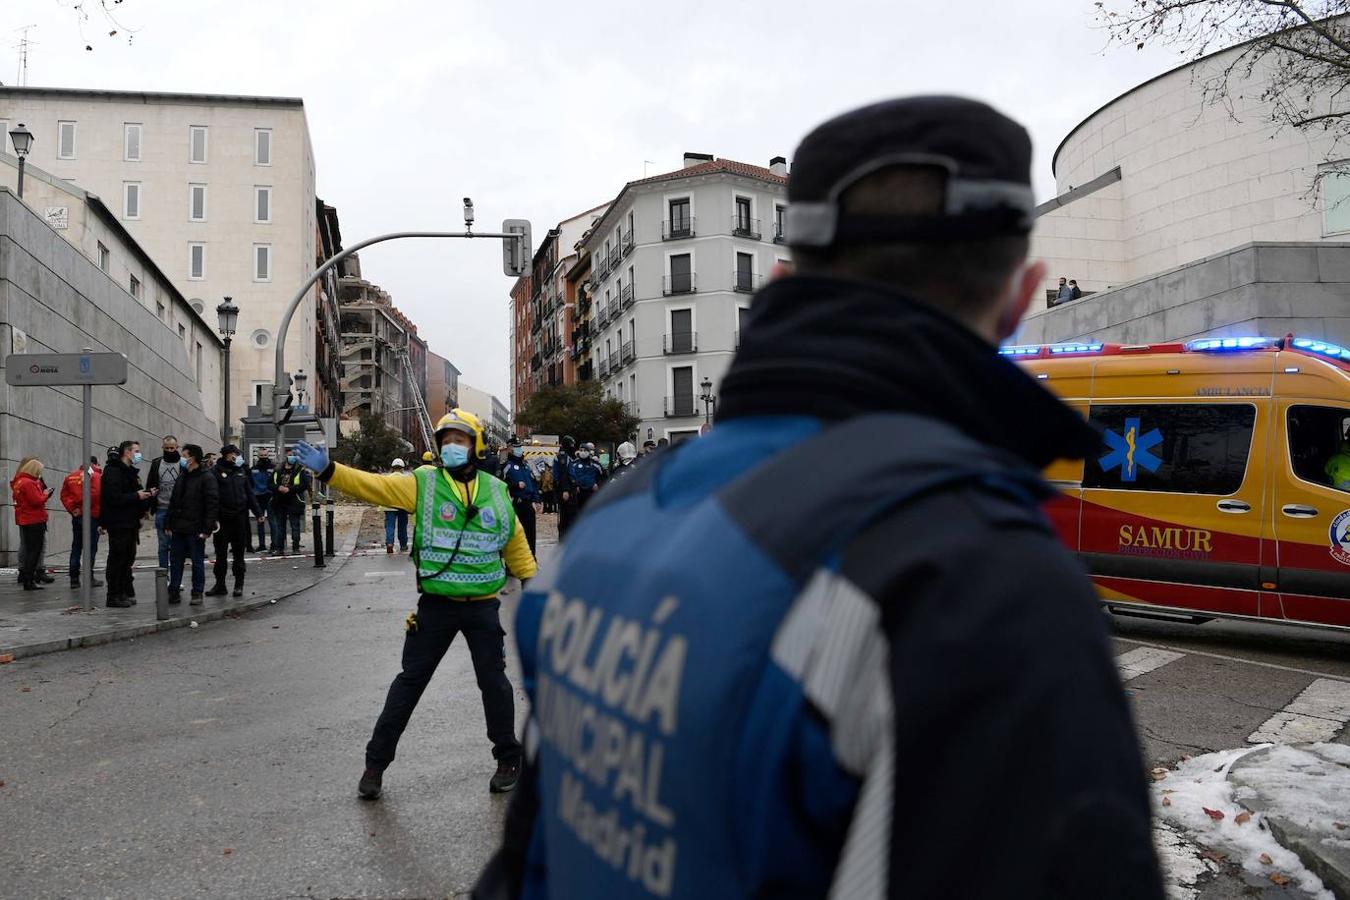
(519,244)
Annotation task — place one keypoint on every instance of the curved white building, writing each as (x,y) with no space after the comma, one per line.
(1159,178)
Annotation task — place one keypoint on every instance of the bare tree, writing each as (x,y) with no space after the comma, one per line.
(1302,48)
(97,17)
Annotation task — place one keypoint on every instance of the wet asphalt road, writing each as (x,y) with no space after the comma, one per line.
(223,762)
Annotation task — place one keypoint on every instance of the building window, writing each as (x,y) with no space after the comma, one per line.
(104,257)
(197,203)
(199,362)
(262,205)
(681,277)
(131,142)
(262,146)
(196,261)
(197,143)
(182,333)
(745,272)
(5,143)
(65,145)
(744,215)
(131,200)
(261,338)
(159,310)
(681,222)
(1179,448)
(198,306)
(681,391)
(778,211)
(259,392)
(1336,198)
(135,287)
(262,262)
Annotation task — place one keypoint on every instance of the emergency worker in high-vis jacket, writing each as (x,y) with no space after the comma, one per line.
(742,691)
(466,540)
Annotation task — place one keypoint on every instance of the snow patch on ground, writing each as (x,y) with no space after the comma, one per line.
(1182,865)
(1309,786)
(1201,784)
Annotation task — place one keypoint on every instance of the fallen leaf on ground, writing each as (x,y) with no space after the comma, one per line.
(1266,860)
(1242,818)
(1167,801)
(25,690)
(1215,814)
(1162,769)
(1185,756)
(276,626)
(6,658)
(2,782)
(1169,790)
(1215,855)
(1159,776)
(1340,826)
(1279,879)
(228,851)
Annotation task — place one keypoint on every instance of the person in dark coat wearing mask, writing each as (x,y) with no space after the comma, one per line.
(123,505)
(236,504)
(190,521)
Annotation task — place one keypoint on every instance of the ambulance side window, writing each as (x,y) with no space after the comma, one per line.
(1184,448)
(1316,438)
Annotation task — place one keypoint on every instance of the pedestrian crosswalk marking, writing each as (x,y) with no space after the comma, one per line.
(1143,660)
(1317,714)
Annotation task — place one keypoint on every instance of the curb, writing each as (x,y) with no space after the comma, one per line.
(130,632)
(1302,843)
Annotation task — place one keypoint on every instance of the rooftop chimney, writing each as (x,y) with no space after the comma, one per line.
(778,166)
(696,159)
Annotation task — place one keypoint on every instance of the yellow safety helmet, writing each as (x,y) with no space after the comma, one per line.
(428,457)
(465,421)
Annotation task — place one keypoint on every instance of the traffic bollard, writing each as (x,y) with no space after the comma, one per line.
(329,529)
(161,594)
(319,561)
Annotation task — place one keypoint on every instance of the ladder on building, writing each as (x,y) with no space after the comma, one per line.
(419,402)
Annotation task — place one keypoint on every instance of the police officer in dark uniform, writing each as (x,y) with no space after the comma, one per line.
(586,475)
(234,487)
(562,482)
(807,691)
(524,491)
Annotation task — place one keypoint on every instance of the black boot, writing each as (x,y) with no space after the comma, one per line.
(371,784)
(219,590)
(175,598)
(508,773)
(238,589)
(119,603)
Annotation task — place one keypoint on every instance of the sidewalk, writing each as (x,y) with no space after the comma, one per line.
(33,622)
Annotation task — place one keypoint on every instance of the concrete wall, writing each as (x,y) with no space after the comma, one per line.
(1269,289)
(230,174)
(1196,179)
(63,302)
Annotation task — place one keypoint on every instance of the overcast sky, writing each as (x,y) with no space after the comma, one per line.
(542,110)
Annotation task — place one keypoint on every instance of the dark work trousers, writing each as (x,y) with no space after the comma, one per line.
(281,516)
(77,547)
(525,513)
(32,542)
(121,557)
(567,514)
(439,619)
(264,500)
(230,537)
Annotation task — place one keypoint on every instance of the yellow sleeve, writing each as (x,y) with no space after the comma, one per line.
(519,560)
(384,490)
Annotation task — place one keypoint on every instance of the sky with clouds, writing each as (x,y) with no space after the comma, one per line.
(542,110)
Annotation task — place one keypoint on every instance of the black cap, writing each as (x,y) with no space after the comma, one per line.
(986,157)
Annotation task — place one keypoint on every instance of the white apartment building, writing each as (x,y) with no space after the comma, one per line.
(491,412)
(218,189)
(675,261)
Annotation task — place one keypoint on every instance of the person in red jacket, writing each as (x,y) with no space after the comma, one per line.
(30,512)
(72,498)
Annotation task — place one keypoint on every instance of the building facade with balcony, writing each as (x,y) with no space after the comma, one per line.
(674,262)
(491,412)
(442,386)
(375,338)
(521,339)
(220,192)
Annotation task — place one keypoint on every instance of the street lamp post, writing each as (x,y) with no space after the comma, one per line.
(227,315)
(301,382)
(22,139)
(708,398)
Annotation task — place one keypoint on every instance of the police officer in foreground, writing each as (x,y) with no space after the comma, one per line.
(236,503)
(860,668)
(465,540)
(524,491)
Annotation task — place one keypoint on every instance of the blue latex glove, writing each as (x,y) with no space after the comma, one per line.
(311,457)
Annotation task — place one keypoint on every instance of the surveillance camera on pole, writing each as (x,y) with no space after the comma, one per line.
(468,213)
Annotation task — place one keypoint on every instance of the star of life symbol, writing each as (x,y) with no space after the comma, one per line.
(1130,450)
(1340,537)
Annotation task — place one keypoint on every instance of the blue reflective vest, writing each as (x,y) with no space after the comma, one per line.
(682,683)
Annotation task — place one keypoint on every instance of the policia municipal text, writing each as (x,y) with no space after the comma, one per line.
(465,540)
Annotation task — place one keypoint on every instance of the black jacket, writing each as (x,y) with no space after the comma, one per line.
(120,507)
(1004,689)
(293,500)
(235,488)
(195,505)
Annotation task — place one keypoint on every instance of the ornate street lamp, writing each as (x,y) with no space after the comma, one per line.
(22,139)
(227,319)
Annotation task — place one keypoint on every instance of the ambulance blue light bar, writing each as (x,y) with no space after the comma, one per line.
(1038,349)
(1322,348)
(1220,345)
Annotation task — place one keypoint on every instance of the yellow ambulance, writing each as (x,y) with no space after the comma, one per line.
(1222,486)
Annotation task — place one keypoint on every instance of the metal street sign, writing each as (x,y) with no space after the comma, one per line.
(34,369)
